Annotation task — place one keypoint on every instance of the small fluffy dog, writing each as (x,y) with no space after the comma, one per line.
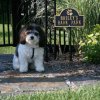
(30,50)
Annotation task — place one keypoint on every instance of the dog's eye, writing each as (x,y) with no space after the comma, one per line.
(29,32)
(36,33)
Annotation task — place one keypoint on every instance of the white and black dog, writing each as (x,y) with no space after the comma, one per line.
(30,50)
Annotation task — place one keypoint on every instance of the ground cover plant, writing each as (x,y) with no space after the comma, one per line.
(90,45)
(83,93)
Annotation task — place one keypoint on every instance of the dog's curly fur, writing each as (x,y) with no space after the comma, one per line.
(30,50)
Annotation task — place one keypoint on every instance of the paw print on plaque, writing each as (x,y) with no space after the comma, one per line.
(69,12)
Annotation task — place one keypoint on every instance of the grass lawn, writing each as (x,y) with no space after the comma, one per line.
(83,93)
(7,50)
(59,37)
(10,49)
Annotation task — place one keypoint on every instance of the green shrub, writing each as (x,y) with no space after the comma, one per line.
(90,45)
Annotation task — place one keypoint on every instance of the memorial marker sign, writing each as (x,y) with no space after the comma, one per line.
(69,18)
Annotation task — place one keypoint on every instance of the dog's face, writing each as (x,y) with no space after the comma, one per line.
(32,35)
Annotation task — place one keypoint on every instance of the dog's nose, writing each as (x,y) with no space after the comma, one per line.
(32,37)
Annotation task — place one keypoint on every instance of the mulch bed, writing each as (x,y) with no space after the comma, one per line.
(59,65)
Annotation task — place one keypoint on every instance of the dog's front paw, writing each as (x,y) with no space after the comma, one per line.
(40,69)
(23,70)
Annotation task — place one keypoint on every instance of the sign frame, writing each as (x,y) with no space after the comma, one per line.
(66,20)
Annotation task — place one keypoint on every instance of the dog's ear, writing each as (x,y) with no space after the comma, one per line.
(23,35)
(42,38)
